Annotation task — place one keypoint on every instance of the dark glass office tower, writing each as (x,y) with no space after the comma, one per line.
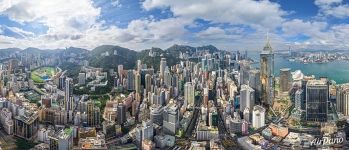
(317,95)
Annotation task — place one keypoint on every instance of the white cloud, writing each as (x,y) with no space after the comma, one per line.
(312,29)
(334,8)
(254,13)
(322,36)
(21,32)
(116,3)
(60,16)
(78,23)
(215,34)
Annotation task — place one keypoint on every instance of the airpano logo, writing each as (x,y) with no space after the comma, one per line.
(326,141)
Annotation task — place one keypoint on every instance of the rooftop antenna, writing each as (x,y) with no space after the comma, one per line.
(268,35)
(267,45)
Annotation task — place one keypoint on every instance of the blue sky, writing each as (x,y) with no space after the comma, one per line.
(141,24)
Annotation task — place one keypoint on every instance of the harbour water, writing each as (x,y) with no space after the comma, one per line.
(336,70)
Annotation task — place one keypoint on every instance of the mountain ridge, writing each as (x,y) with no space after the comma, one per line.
(110,56)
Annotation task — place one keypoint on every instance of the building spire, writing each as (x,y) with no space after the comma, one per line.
(267,46)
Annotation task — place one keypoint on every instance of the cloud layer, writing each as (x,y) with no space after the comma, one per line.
(229,24)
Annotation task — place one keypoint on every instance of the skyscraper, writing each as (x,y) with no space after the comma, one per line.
(285,75)
(69,100)
(147,130)
(61,83)
(254,79)
(120,70)
(92,113)
(266,74)
(138,83)
(246,97)
(139,65)
(188,94)
(130,80)
(244,73)
(170,119)
(317,100)
(162,67)
(258,116)
(148,82)
(298,99)
(121,110)
(343,99)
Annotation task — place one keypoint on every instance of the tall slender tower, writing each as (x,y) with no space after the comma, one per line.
(69,100)
(162,67)
(266,74)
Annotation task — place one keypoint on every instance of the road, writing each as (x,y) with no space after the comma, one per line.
(194,119)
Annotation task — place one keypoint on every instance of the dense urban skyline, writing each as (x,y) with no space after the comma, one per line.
(228,24)
(165,74)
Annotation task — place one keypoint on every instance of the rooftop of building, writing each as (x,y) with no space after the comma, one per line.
(202,127)
(246,87)
(108,123)
(62,134)
(259,108)
(322,82)
(344,87)
(92,143)
(87,129)
(28,116)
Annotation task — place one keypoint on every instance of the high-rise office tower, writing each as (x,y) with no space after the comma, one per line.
(61,83)
(266,74)
(69,100)
(121,110)
(167,78)
(120,70)
(139,65)
(162,67)
(304,88)
(285,75)
(188,94)
(258,116)
(130,80)
(232,90)
(148,82)
(244,73)
(317,100)
(91,113)
(147,130)
(254,83)
(246,97)
(156,114)
(138,83)
(298,99)
(343,99)
(204,62)
(170,119)
(174,82)
(26,125)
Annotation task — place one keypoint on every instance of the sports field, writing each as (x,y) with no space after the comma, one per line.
(40,75)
